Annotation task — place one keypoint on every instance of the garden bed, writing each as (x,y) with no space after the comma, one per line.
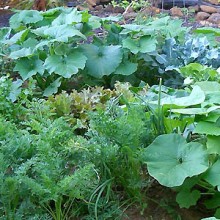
(107,118)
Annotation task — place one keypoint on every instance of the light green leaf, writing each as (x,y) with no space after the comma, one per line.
(5,33)
(196,97)
(30,43)
(126,68)
(42,44)
(213,146)
(187,198)
(209,86)
(208,30)
(102,60)
(131,44)
(62,33)
(172,124)
(25,17)
(170,159)
(144,44)
(68,17)
(24,52)
(212,175)
(30,16)
(94,22)
(29,67)
(62,49)
(65,66)
(52,88)
(195,111)
(17,38)
(208,128)
(190,111)
(15,90)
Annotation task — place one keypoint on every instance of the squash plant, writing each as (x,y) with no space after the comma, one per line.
(61,44)
(188,158)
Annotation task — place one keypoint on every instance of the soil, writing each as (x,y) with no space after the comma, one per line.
(4,17)
(161,205)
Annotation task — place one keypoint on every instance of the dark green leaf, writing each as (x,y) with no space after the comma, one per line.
(29,67)
(65,66)
(186,199)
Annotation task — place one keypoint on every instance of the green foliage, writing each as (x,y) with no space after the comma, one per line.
(58,44)
(121,133)
(170,160)
(38,167)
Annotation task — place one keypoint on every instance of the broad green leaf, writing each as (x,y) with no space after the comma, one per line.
(170,159)
(25,17)
(131,44)
(145,44)
(186,198)
(68,17)
(208,128)
(5,33)
(58,33)
(126,68)
(65,66)
(40,31)
(52,88)
(209,86)
(195,111)
(213,202)
(213,146)
(212,98)
(24,52)
(102,60)
(62,49)
(62,33)
(30,43)
(28,67)
(172,124)
(94,22)
(42,44)
(29,16)
(190,111)
(17,38)
(51,12)
(212,175)
(208,30)
(128,28)
(196,97)
(15,90)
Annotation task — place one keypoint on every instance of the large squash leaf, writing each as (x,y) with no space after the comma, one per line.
(196,97)
(65,66)
(28,67)
(102,60)
(170,160)
(145,44)
(213,174)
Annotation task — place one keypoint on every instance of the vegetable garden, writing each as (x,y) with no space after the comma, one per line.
(95,112)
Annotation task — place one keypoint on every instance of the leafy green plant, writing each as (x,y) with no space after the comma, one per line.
(170,157)
(58,47)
